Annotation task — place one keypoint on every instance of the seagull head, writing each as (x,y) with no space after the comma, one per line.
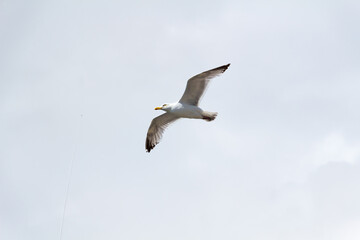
(164,107)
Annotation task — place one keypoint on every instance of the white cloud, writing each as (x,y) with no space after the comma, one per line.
(280,161)
(334,148)
(347,231)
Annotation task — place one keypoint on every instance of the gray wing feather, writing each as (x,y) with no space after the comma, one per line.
(156,129)
(196,85)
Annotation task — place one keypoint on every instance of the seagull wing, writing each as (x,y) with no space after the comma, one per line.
(196,85)
(156,129)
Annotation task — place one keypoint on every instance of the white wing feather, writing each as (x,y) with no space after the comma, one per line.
(196,85)
(156,129)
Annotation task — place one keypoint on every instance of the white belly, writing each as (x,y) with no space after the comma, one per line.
(187,111)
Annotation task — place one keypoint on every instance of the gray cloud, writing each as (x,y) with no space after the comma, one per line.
(80,80)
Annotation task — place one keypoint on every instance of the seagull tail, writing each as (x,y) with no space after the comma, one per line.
(209,116)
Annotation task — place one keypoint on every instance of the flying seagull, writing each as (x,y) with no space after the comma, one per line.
(186,107)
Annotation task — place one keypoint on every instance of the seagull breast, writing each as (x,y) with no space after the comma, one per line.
(182,110)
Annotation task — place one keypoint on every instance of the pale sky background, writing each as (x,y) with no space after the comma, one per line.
(80,79)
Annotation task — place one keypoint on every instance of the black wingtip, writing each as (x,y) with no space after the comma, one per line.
(148,146)
(223,68)
(226,67)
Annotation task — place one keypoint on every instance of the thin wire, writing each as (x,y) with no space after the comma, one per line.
(66,196)
(68,184)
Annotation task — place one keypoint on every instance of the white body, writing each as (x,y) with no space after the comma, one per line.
(184,110)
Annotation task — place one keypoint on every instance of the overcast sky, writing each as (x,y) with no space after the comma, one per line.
(79,81)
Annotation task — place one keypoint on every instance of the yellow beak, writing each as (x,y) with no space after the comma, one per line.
(158,108)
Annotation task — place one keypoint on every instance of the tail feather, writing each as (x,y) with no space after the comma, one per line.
(209,116)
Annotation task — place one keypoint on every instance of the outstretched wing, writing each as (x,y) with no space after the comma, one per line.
(196,85)
(156,129)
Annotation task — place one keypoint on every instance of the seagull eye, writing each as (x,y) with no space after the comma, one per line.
(164,105)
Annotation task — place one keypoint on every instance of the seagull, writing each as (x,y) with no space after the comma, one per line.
(186,107)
